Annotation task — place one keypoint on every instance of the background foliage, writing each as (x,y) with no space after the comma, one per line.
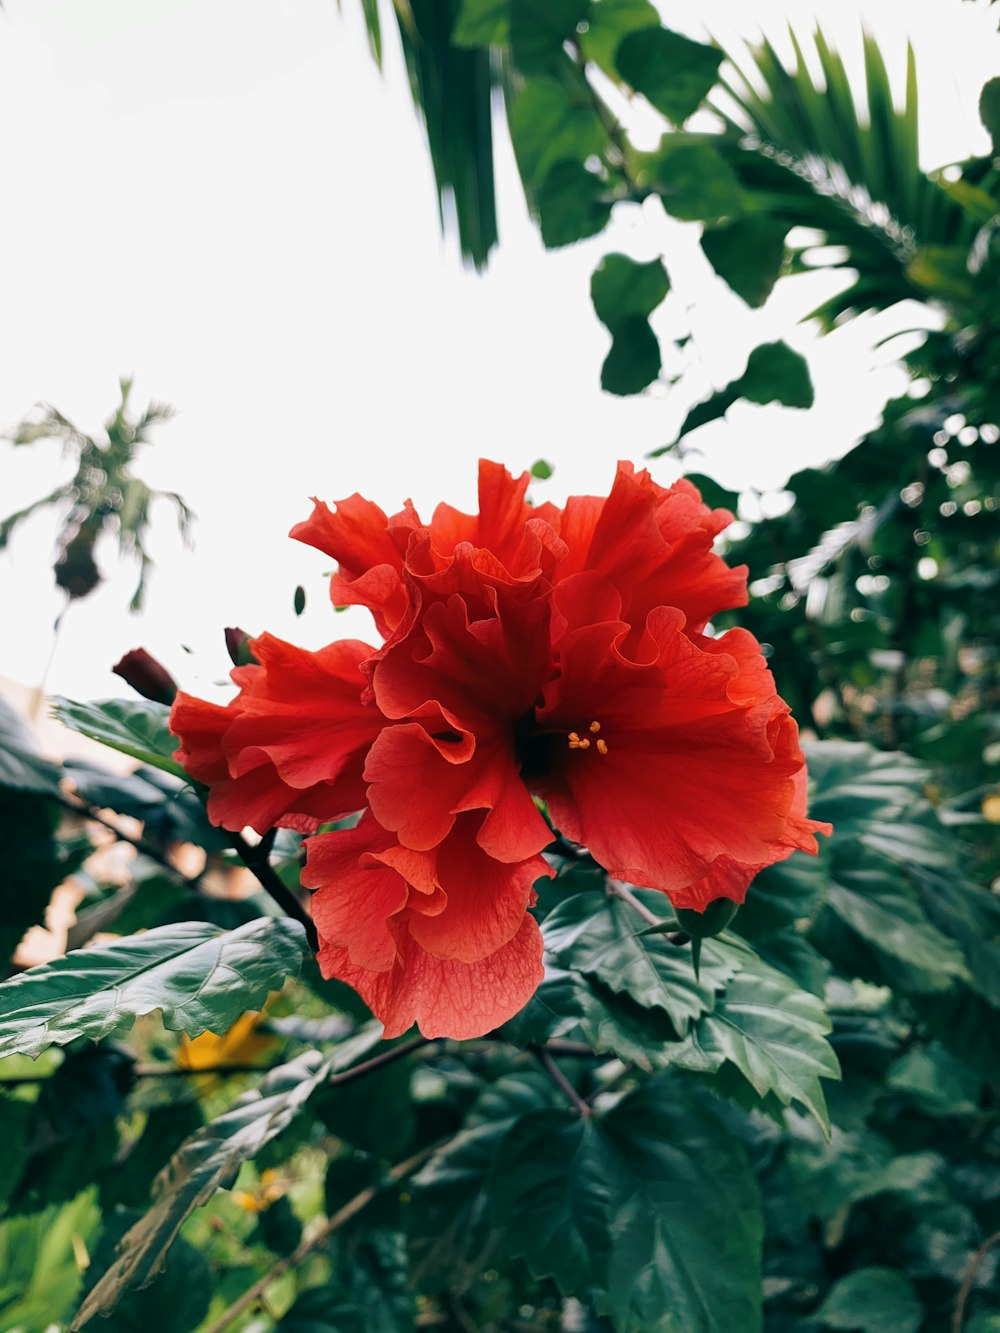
(639,1149)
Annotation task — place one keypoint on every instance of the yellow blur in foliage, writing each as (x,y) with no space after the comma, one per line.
(267,1192)
(243,1044)
(991,808)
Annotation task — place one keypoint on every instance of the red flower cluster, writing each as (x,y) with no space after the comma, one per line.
(529,653)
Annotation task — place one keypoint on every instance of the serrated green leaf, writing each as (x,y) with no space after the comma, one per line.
(872,1300)
(672,72)
(137,727)
(775,1035)
(198,976)
(451,1215)
(602,937)
(651,1206)
(207,1161)
(748,254)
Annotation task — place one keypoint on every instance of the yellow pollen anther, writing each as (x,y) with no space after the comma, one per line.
(602,747)
(595,726)
(585,744)
(574,736)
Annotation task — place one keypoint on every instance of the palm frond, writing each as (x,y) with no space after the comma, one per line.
(845,161)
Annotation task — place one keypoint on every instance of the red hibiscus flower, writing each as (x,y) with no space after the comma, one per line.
(530,655)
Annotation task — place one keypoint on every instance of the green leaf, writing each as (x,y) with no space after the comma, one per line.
(572,203)
(22,768)
(872,1300)
(482,23)
(607,23)
(207,1161)
(775,1035)
(672,72)
(694,181)
(989,110)
(651,1206)
(548,126)
(176,1302)
(621,287)
(748,254)
(137,727)
(542,469)
(774,374)
(33,864)
(16,1119)
(538,29)
(40,1276)
(451,1225)
(602,937)
(634,359)
(199,977)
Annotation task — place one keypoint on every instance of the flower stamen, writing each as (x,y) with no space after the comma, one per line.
(602,747)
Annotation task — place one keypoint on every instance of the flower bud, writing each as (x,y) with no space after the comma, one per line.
(238,647)
(703,925)
(146,676)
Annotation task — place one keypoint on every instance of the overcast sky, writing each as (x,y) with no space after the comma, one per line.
(225,198)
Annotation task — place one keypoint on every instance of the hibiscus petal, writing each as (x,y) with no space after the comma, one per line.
(446,998)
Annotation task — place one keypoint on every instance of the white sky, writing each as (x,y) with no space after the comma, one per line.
(226,199)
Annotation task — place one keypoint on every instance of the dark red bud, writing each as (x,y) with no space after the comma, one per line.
(146,676)
(238,647)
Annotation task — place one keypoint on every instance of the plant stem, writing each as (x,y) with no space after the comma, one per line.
(557,1076)
(256,860)
(969,1278)
(332,1225)
(148,849)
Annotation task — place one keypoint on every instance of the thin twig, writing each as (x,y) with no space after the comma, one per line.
(148,849)
(256,860)
(969,1280)
(330,1226)
(560,1080)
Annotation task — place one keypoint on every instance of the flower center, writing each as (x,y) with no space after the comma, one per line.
(578,742)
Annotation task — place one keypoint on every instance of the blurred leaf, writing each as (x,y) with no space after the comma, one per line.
(748,254)
(482,23)
(548,126)
(176,1302)
(608,22)
(207,1161)
(538,29)
(135,727)
(198,976)
(572,203)
(651,1205)
(128,1183)
(693,180)
(989,110)
(872,1300)
(774,374)
(672,72)
(34,864)
(39,1276)
(624,294)
(22,768)
(634,359)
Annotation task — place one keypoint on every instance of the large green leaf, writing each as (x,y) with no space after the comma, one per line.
(137,727)
(572,203)
(672,72)
(694,180)
(625,293)
(650,1208)
(748,253)
(775,1035)
(200,977)
(872,1300)
(603,937)
(774,374)
(608,23)
(548,125)
(209,1160)
(538,29)
(450,1215)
